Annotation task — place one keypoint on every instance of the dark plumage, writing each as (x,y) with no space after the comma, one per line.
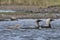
(48,25)
(37,22)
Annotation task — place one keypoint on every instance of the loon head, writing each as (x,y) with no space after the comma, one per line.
(38,20)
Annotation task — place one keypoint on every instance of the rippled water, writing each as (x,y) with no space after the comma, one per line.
(29,34)
(7,11)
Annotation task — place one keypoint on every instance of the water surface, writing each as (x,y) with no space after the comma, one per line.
(29,34)
(7,11)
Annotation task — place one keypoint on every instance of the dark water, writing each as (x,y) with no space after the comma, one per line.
(29,34)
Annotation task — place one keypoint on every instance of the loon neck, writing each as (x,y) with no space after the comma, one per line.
(37,25)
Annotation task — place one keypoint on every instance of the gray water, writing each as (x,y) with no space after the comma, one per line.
(7,11)
(29,34)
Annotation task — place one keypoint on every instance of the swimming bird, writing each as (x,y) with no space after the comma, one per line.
(48,25)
